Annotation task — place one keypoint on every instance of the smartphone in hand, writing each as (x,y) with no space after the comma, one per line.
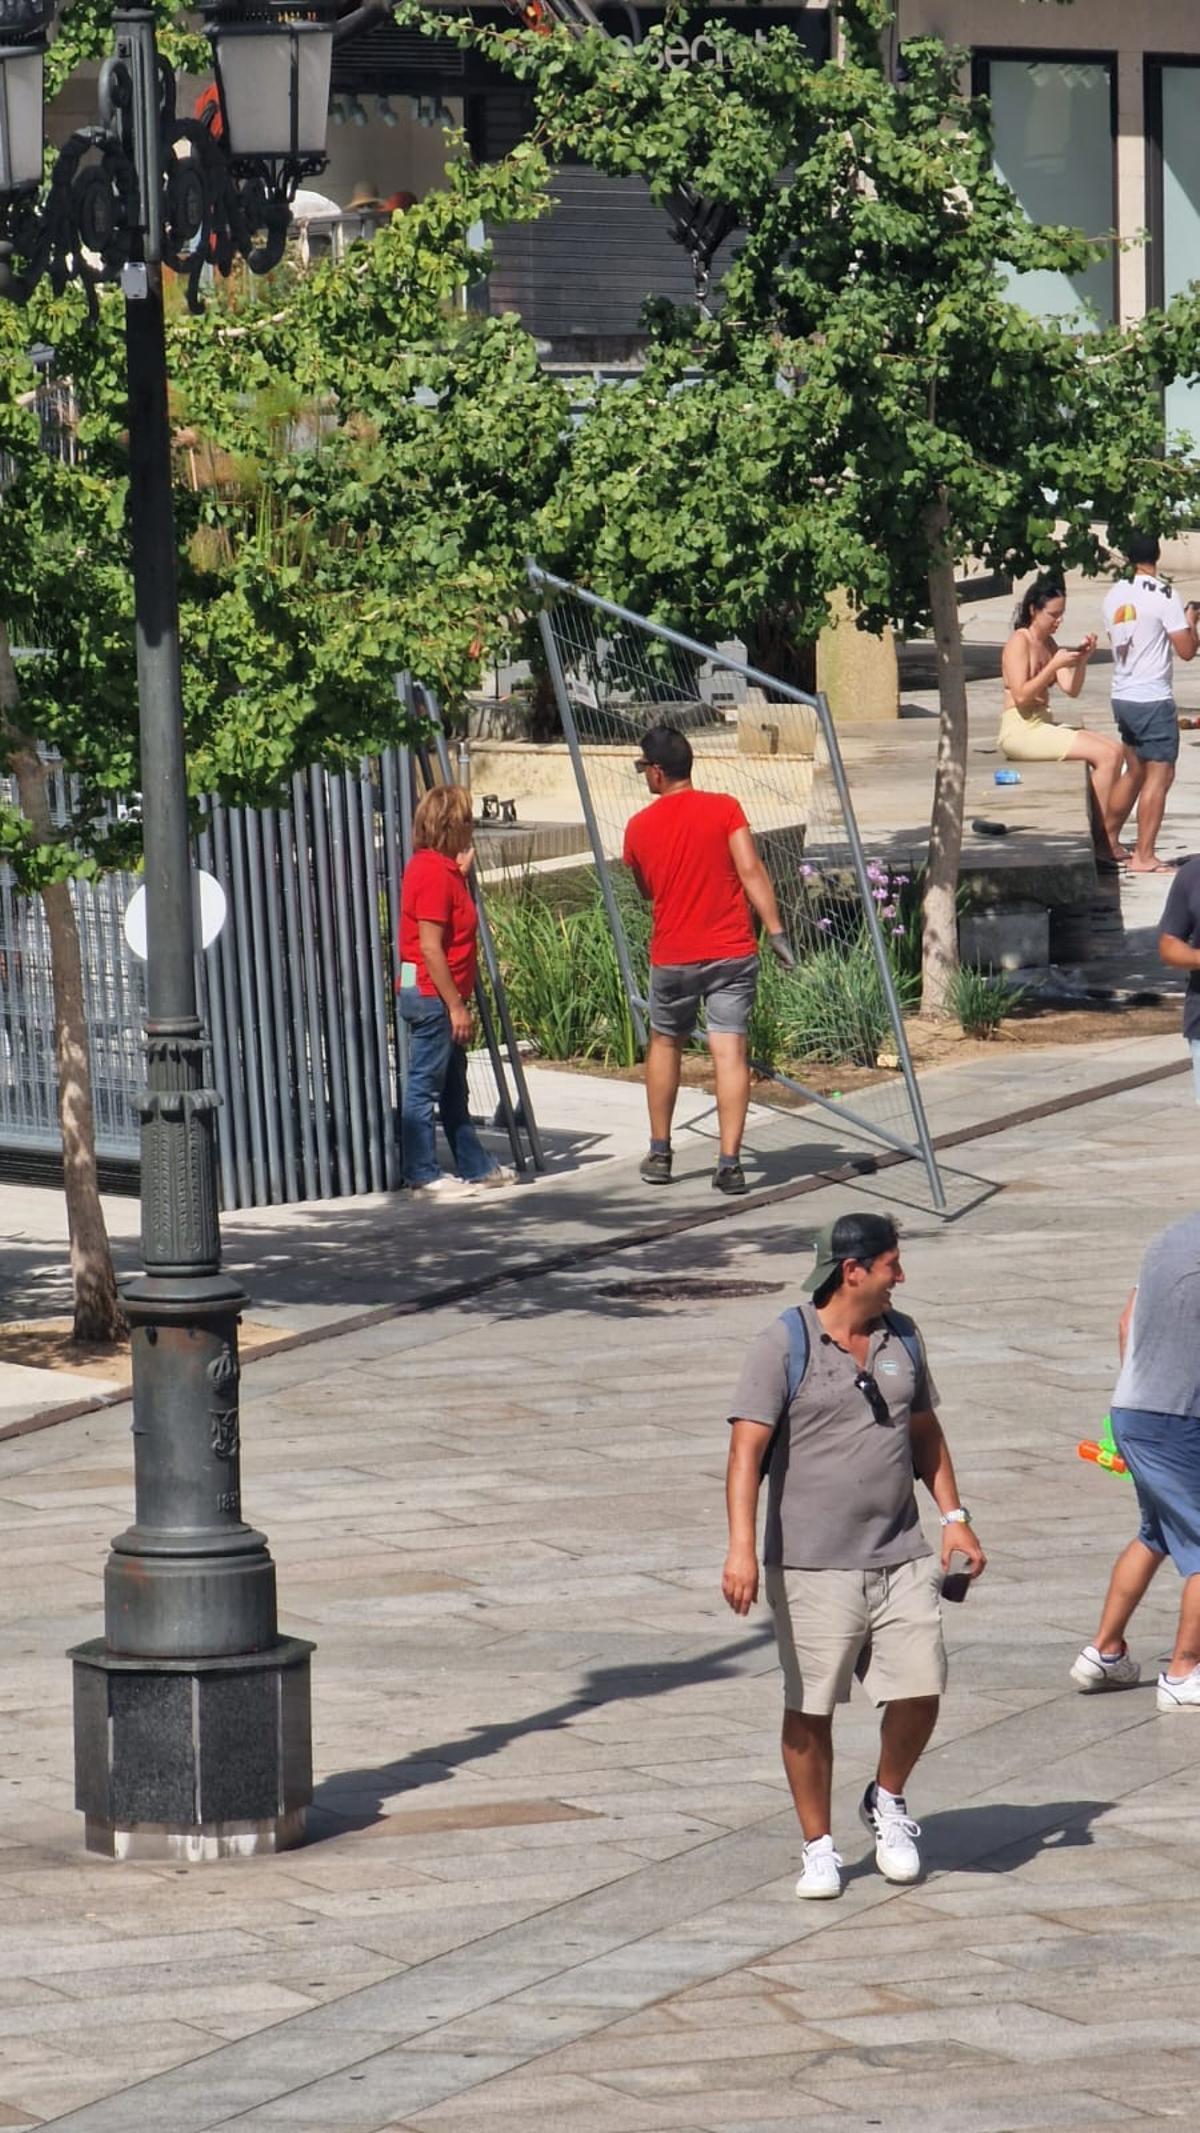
(956,1584)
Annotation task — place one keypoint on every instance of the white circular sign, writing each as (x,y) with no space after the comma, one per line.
(209,914)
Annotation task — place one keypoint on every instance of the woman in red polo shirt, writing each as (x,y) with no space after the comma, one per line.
(437,944)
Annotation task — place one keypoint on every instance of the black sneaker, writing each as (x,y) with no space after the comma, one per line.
(730,1177)
(656,1168)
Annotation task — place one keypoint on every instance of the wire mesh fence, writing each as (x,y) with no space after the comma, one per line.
(838,1017)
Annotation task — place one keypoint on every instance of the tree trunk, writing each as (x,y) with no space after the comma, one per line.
(97,1312)
(939,936)
(774,645)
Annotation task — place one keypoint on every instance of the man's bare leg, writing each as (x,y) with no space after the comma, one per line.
(1152,801)
(1186,1654)
(663,1061)
(1125,791)
(731,1068)
(903,1737)
(1127,1588)
(808,1762)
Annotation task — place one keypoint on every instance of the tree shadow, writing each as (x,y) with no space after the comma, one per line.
(355,1799)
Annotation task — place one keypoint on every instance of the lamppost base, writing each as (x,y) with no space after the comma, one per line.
(192,1759)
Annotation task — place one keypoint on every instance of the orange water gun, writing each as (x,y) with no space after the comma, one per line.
(1105,1453)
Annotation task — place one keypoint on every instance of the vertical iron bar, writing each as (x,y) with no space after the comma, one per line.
(251,1056)
(319,1048)
(319,785)
(392,861)
(220,1037)
(268,1077)
(345,971)
(380,964)
(301,1057)
(280,978)
(364,927)
(243,1196)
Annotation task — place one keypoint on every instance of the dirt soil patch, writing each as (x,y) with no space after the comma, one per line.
(46,1344)
(937,1044)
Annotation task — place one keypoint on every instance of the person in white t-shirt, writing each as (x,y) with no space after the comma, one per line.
(1147,625)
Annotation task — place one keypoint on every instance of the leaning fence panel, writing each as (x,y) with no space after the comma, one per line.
(837,1020)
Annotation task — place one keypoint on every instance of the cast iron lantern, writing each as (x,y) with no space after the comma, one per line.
(272,61)
(22,67)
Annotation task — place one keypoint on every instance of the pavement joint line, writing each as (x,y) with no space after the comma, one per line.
(579,1255)
(870,1895)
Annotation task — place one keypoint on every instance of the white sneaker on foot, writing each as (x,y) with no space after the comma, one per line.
(497,1179)
(895,1835)
(821,1872)
(444,1188)
(1092,1671)
(1183,1695)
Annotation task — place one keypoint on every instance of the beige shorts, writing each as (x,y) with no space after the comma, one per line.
(883,1625)
(1034,739)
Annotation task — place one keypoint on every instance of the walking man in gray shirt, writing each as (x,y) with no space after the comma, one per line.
(839,1392)
(1156,1426)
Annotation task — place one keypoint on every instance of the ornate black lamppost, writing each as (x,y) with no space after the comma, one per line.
(192,1728)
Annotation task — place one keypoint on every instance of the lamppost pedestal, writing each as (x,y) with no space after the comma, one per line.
(192,1759)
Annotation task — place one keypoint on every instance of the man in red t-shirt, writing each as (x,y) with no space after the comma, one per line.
(693,857)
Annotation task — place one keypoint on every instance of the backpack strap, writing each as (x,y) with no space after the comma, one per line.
(906,1333)
(797,1365)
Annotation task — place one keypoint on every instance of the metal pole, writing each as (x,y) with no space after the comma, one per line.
(191,1714)
(571,731)
(875,930)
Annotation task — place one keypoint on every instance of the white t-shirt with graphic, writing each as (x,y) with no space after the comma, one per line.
(1139,615)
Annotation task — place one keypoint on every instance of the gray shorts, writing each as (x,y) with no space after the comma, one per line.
(885,1626)
(1151,730)
(726,990)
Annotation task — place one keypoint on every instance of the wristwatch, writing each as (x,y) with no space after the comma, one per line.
(960,1517)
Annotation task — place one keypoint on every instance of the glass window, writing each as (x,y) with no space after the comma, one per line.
(1052,142)
(1180,241)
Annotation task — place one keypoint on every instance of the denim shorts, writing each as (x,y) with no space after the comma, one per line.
(1162,1453)
(725,989)
(1151,730)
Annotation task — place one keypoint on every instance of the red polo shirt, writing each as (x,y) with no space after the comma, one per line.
(679,846)
(434,889)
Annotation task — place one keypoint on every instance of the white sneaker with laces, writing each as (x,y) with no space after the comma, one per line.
(821,1873)
(1183,1695)
(895,1835)
(444,1188)
(1092,1672)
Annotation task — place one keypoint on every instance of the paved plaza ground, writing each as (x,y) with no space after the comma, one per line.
(552,1860)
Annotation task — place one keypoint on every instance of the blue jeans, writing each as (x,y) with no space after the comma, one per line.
(1162,1453)
(437,1077)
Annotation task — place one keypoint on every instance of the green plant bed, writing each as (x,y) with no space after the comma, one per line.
(565,990)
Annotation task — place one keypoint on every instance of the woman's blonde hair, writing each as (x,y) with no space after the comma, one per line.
(443,821)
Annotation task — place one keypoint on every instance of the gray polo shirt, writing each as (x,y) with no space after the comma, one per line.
(840,1490)
(1161,1371)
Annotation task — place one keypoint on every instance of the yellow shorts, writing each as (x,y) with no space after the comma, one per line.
(1033,740)
(883,1625)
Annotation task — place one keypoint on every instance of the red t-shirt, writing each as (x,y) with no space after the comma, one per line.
(433,888)
(680,848)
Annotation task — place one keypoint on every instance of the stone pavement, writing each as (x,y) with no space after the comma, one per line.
(552,1861)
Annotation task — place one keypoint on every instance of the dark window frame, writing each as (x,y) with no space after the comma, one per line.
(1153,67)
(983,57)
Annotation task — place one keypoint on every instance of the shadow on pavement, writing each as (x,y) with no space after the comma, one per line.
(355,1799)
(1001,1836)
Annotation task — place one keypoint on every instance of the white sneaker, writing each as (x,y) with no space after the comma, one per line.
(1092,1672)
(1179,1695)
(821,1873)
(895,1835)
(444,1188)
(497,1179)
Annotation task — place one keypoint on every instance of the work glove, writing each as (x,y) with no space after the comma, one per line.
(781,949)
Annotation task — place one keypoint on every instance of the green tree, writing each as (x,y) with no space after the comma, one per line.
(372,456)
(867,403)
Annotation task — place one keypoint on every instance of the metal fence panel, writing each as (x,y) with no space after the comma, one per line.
(297,994)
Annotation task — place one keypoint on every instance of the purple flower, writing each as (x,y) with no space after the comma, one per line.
(880,895)
(827,923)
(898,929)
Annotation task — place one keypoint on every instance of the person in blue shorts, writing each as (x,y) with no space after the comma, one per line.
(1156,1425)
